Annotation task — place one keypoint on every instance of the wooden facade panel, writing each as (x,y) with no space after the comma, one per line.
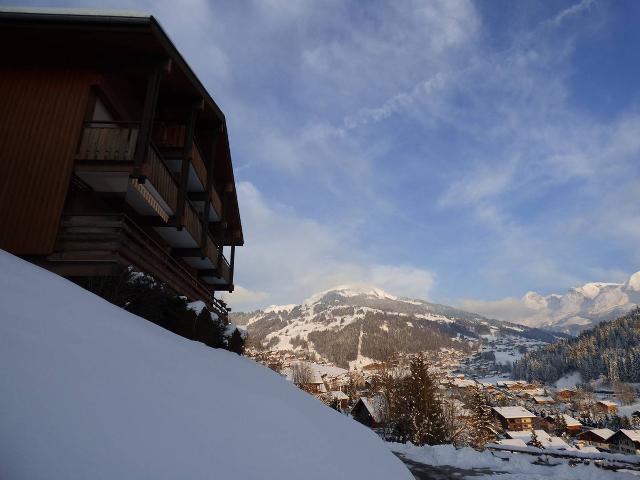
(41,115)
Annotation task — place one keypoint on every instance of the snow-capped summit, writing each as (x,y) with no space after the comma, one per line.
(581,307)
(351,290)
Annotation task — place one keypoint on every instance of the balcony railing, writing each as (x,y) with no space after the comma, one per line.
(198,165)
(108,141)
(116,141)
(161,178)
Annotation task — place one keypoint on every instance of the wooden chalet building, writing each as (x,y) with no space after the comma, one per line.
(514,418)
(625,441)
(596,437)
(113,153)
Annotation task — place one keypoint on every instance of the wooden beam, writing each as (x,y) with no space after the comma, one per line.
(208,272)
(209,186)
(232,261)
(187,252)
(187,153)
(148,114)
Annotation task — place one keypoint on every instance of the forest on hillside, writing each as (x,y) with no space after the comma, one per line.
(611,349)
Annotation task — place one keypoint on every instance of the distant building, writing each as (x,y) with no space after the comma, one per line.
(369,411)
(573,426)
(566,394)
(606,406)
(543,400)
(341,397)
(514,418)
(625,441)
(597,437)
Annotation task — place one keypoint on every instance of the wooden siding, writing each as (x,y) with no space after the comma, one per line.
(41,115)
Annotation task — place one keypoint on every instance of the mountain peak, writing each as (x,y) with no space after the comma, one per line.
(351,290)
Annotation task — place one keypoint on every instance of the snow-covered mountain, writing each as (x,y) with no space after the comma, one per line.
(355,325)
(581,307)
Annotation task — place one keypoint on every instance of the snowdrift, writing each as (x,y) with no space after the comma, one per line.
(91,391)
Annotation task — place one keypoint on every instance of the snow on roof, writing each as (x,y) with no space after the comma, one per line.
(603,433)
(608,403)
(570,421)
(374,406)
(339,395)
(74,11)
(512,442)
(542,398)
(90,390)
(634,435)
(513,412)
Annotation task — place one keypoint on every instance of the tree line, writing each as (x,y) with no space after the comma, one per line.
(610,350)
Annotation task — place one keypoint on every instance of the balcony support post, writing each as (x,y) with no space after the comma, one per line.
(187,154)
(148,114)
(232,262)
(210,177)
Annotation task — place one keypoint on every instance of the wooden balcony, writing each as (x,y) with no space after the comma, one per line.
(93,243)
(114,141)
(106,158)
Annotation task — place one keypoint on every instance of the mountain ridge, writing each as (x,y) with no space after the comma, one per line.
(351,325)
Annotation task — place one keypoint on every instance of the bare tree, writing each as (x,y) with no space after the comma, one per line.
(302,375)
(624,392)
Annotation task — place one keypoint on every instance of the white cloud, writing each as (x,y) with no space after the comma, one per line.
(287,258)
(508,309)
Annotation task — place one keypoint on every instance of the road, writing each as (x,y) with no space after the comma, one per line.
(429,472)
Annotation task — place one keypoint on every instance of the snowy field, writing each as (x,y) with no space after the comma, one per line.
(90,391)
(504,465)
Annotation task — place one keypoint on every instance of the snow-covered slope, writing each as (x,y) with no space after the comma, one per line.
(582,307)
(355,325)
(91,391)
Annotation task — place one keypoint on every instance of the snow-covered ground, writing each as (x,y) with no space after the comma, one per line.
(91,391)
(504,465)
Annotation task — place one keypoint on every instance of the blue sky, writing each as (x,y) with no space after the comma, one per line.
(464,152)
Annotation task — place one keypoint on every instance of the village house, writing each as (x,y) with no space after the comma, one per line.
(514,418)
(597,437)
(625,441)
(543,400)
(369,411)
(573,426)
(565,394)
(606,406)
(340,397)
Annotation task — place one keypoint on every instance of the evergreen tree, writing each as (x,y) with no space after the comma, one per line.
(427,416)
(481,425)
(535,441)
(560,425)
(236,342)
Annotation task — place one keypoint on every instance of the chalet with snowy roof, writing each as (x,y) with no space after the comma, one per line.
(573,426)
(543,400)
(340,397)
(565,394)
(114,154)
(606,406)
(597,437)
(514,418)
(369,411)
(625,441)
